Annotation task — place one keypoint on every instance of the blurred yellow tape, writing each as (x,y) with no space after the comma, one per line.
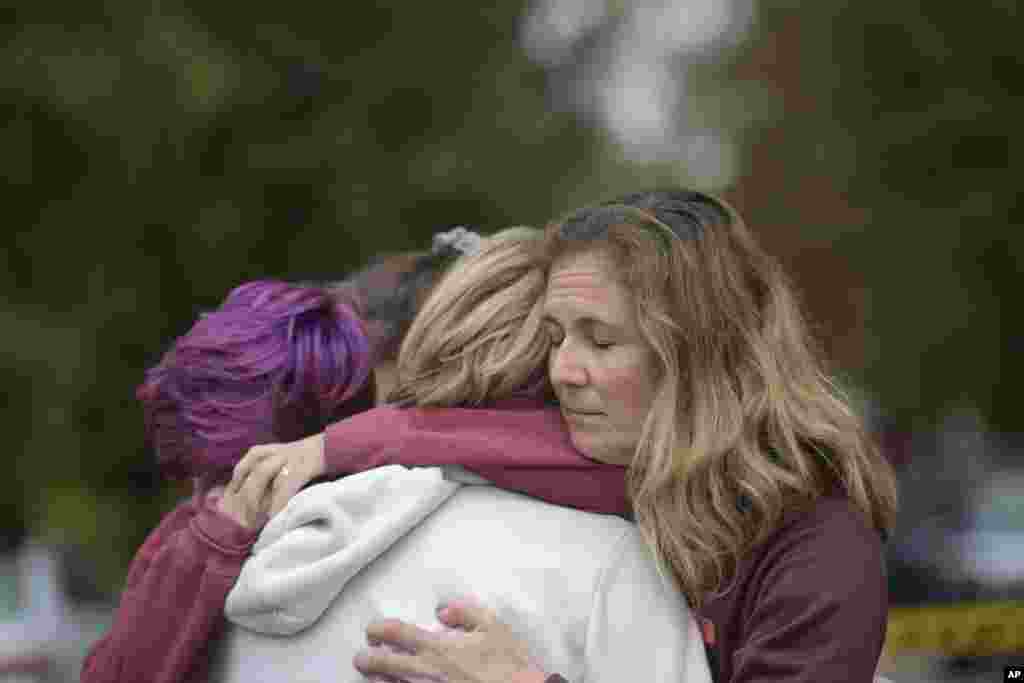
(963,629)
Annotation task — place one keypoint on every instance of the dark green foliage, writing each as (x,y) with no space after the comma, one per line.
(925,96)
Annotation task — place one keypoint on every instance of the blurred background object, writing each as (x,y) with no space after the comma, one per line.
(46,626)
(156,154)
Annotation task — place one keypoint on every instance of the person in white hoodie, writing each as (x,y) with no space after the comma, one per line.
(581,588)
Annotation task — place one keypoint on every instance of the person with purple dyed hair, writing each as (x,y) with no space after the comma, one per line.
(274,362)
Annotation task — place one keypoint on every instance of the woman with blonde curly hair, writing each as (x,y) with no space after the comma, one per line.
(680,353)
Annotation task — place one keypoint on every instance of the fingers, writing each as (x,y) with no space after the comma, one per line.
(493,654)
(467,614)
(259,476)
(256,489)
(285,488)
(235,507)
(398,633)
(252,457)
(380,662)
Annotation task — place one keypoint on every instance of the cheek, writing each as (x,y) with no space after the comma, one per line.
(630,391)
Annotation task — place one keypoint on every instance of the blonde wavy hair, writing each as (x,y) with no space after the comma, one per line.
(478,336)
(746,427)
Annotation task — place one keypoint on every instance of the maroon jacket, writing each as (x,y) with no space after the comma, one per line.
(808,605)
(172,606)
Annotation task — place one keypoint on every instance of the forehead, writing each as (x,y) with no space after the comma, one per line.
(585,285)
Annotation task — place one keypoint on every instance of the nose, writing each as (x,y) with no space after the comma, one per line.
(565,367)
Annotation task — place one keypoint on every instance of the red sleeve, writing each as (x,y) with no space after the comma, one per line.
(819,604)
(518,445)
(172,606)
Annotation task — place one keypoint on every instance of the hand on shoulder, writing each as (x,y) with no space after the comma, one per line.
(268,476)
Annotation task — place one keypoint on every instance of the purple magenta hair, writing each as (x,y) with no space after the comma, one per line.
(275,363)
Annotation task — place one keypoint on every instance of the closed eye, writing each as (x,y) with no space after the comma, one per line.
(556,337)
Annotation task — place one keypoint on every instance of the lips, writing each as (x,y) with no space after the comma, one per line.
(580,412)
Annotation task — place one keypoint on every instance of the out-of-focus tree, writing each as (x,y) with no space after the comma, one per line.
(897,149)
(930,93)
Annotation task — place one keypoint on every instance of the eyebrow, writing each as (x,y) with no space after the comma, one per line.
(587,320)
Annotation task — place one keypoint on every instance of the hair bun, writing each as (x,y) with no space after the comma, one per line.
(458,239)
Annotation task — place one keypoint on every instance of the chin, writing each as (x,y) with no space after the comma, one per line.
(588,449)
(593,445)
(584,445)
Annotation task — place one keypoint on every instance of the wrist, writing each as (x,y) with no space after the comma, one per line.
(223,532)
(227,508)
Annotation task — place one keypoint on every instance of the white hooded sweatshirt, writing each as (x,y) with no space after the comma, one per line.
(580,588)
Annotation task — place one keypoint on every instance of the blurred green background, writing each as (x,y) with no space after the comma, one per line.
(156,154)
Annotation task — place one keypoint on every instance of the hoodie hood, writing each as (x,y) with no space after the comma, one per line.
(326,534)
